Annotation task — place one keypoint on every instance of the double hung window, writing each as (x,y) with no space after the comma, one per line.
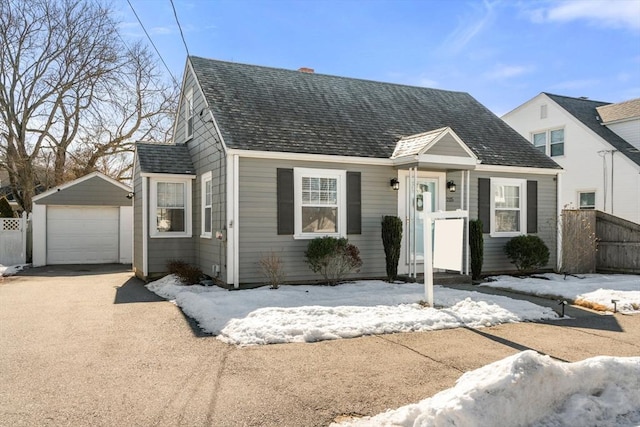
(320,208)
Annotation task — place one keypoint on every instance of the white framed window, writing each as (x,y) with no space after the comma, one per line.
(170,207)
(550,142)
(508,207)
(206,204)
(189,114)
(587,199)
(320,203)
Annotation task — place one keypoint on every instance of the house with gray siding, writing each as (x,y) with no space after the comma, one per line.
(265,159)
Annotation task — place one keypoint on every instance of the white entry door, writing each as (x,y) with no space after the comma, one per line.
(82,235)
(412,205)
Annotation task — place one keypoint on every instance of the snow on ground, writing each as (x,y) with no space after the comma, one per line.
(529,389)
(11,269)
(593,288)
(307,313)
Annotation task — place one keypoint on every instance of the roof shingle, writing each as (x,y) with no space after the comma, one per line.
(271,109)
(164,158)
(586,111)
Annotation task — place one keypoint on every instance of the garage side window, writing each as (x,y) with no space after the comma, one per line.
(170,208)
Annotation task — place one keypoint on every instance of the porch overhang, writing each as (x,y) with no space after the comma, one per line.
(436,162)
(439,149)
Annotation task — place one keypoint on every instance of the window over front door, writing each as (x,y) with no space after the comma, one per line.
(170,208)
(206,189)
(508,207)
(550,142)
(320,202)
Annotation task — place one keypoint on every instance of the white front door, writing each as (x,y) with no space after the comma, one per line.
(415,195)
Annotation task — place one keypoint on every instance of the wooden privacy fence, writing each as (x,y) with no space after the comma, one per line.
(596,241)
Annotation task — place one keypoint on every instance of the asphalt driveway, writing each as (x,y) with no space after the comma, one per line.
(89,345)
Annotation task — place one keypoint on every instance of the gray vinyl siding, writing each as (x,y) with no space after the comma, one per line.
(163,249)
(494,258)
(208,156)
(94,191)
(258,219)
(138,235)
(448,146)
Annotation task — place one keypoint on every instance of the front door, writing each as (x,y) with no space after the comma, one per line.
(419,194)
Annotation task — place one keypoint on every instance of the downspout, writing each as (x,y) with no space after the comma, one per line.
(612,186)
(231,224)
(145,229)
(559,216)
(236,211)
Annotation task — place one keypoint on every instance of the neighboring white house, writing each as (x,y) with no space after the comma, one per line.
(597,143)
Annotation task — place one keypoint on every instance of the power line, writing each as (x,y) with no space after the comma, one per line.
(175,81)
(175,14)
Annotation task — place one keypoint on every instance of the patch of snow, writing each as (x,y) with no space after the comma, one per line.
(594,288)
(529,389)
(12,269)
(307,313)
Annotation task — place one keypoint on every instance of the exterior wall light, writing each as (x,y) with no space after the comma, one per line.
(451,186)
(395,184)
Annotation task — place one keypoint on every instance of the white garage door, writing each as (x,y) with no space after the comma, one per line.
(82,235)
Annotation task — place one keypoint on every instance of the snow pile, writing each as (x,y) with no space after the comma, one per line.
(315,313)
(529,389)
(592,288)
(12,269)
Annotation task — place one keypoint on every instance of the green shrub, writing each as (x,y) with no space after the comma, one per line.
(476,246)
(528,253)
(333,258)
(391,239)
(187,273)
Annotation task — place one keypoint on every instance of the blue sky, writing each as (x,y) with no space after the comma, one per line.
(501,52)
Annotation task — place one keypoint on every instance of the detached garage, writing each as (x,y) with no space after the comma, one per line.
(86,221)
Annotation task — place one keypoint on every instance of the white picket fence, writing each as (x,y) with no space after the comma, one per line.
(13,240)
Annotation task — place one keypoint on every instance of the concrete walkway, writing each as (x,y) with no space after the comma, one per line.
(95,348)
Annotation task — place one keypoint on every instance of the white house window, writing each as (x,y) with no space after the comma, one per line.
(206,204)
(189,112)
(508,210)
(170,207)
(320,202)
(587,199)
(550,142)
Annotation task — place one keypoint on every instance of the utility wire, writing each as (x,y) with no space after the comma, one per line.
(175,14)
(175,81)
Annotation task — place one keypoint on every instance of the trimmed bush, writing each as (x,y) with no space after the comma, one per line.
(476,246)
(272,267)
(333,258)
(187,273)
(391,239)
(528,253)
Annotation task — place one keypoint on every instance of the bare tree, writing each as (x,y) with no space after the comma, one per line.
(73,95)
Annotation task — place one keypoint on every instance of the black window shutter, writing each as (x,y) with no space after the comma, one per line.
(484,203)
(532,206)
(285,201)
(354,203)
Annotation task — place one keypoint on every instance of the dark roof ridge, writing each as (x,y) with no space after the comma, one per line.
(330,75)
(577,98)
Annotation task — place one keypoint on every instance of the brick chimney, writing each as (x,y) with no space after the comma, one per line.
(306,70)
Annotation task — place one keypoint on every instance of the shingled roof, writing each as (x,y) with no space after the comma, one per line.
(164,158)
(271,109)
(586,111)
